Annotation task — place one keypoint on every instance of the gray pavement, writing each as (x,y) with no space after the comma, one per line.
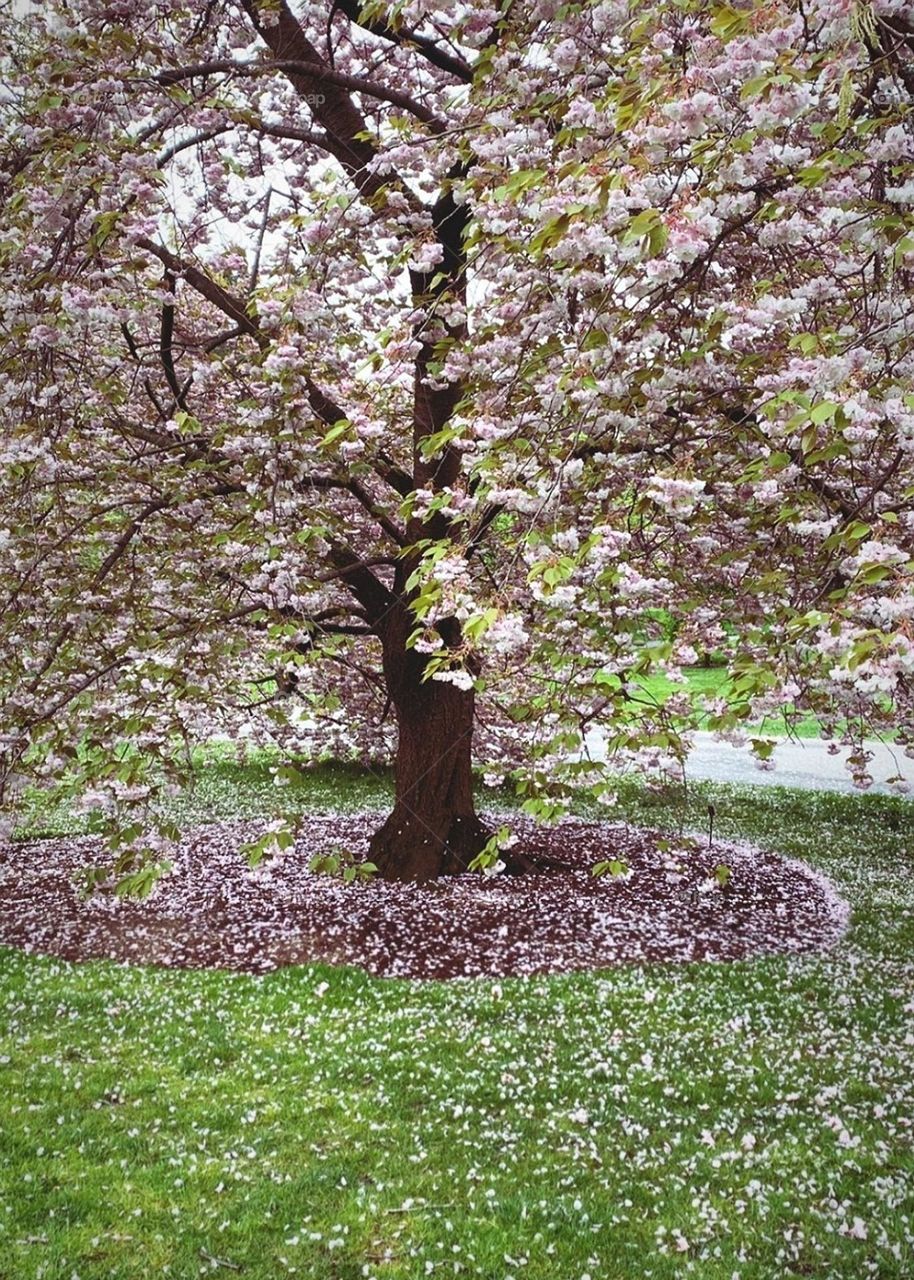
(805,763)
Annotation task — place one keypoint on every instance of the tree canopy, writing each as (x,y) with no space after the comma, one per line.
(435,372)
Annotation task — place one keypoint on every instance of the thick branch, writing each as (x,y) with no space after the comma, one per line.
(489,516)
(827,492)
(423,45)
(368,590)
(434,405)
(208,288)
(365,499)
(123,542)
(310,69)
(165,344)
(398,479)
(370,562)
(324,407)
(313,137)
(317,84)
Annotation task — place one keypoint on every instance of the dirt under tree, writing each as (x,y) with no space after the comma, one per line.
(213,912)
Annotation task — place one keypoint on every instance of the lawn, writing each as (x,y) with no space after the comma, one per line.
(751,1120)
(710,682)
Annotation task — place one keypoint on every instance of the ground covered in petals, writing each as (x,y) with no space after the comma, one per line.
(753,1119)
(664,900)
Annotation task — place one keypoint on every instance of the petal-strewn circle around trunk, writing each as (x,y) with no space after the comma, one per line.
(664,904)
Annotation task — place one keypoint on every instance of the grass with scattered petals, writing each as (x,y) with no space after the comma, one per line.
(750,1120)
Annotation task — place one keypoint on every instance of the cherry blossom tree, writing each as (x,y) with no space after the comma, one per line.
(409,373)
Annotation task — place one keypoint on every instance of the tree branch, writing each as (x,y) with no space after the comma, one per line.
(490,514)
(330,104)
(208,288)
(312,136)
(428,49)
(316,71)
(395,476)
(361,494)
(330,575)
(123,542)
(165,344)
(324,407)
(369,591)
(204,135)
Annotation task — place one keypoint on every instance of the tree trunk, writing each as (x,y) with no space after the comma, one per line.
(433,829)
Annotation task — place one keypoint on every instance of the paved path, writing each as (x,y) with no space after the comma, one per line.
(804,764)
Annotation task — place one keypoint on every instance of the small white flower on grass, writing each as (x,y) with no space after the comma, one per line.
(856,1231)
(680,1243)
(748,1142)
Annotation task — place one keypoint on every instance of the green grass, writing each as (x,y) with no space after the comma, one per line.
(320,1123)
(710,681)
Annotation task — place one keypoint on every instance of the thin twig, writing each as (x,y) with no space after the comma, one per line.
(219,1262)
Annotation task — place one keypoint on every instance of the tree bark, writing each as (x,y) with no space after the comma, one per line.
(433,829)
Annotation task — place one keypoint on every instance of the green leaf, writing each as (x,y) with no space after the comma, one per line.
(823,412)
(611,866)
(870,574)
(902,248)
(550,233)
(756,85)
(656,240)
(857,531)
(140,884)
(861,651)
(335,432)
(186,423)
(813,175)
(519,182)
(103,227)
(641,225)
(727,23)
(805,342)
